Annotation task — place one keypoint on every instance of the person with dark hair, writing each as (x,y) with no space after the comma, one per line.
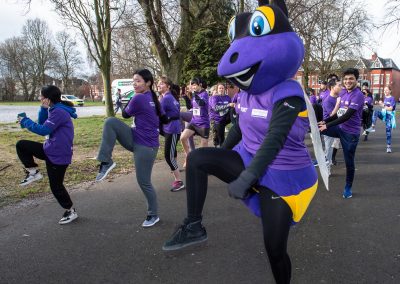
(200,123)
(55,123)
(323,91)
(387,115)
(346,123)
(328,105)
(118,101)
(172,131)
(368,111)
(219,106)
(333,76)
(142,139)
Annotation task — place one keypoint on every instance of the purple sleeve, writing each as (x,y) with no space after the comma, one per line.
(313,99)
(133,105)
(212,102)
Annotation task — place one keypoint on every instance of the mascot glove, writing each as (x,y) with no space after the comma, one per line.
(239,188)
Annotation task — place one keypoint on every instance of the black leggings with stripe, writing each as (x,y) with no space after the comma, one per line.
(276,215)
(170,152)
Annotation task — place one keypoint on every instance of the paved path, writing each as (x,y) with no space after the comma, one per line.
(338,241)
(9,113)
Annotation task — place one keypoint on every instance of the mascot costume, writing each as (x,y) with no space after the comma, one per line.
(264,159)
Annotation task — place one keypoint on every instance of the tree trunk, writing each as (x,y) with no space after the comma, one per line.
(106,76)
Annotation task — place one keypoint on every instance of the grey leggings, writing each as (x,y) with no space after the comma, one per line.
(144,157)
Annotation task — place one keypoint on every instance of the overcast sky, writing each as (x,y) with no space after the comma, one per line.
(13,16)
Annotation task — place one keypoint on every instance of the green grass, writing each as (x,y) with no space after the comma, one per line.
(88,132)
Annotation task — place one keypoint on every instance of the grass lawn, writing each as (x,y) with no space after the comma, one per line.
(88,133)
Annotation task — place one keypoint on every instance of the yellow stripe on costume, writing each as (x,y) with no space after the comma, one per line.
(303,113)
(299,203)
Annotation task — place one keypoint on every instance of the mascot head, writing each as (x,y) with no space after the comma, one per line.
(264,50)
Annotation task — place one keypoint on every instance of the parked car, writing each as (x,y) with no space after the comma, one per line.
(70,98)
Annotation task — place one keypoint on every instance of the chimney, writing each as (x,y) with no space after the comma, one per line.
(374,56)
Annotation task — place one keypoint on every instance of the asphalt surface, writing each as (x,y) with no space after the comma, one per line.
(9,113)
(338,241)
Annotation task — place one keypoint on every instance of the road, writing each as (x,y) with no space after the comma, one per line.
(338,241)
(9,113)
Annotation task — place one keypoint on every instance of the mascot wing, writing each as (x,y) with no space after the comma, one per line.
(316,140)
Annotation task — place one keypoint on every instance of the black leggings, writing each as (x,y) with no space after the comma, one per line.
(276,215)
(218,133)
(26,150)
(170,152)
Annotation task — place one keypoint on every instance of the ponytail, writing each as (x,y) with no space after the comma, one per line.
(175,91)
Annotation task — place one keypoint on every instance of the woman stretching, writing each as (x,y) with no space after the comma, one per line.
(387,114)
(172,131)
(141,140)
(55,123)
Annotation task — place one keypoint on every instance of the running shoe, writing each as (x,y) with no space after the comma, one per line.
(315,163)
(31,177)
(150,221)
(69,216)
(371,129)
(177,186)
(186,235)
(347,192)
(105,168)
(388,149)
(364,133)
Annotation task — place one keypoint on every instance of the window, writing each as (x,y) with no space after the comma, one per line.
(387,82)
(375,79)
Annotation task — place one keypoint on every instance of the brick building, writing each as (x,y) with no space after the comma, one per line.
(376,71)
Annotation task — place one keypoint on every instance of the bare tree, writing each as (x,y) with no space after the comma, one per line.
(16,55)
(95,20)
(341,31)
(392,17)
(68,60)
(40,47)
(171,47)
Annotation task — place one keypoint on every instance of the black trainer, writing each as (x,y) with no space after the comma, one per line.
(186,235)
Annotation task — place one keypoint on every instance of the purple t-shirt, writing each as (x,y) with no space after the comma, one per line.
(172,109)
(147,122)
(354,100)
(390,102)
(59,146)
(328,104)
(367,102)
(255,115)
(324,94)
(218,107)
(200,113)
(313,99)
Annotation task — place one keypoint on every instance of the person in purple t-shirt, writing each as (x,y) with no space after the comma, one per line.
(142,139)
(200,123)
(387,114)
(55,123)
(367,111)
(219,106)
(324,91)
(172,131)
(328,105)
(346,124)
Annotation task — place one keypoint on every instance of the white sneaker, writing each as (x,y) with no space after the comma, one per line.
(68,217)
(150,221)
(364,133)
(388,150)
(371,129)
(31,177)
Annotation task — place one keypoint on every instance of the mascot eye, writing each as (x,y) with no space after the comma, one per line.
(259,24)
(231,29)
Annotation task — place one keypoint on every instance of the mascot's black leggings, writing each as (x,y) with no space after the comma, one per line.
(276,215)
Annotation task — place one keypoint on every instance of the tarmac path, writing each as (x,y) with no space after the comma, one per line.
(338,241)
